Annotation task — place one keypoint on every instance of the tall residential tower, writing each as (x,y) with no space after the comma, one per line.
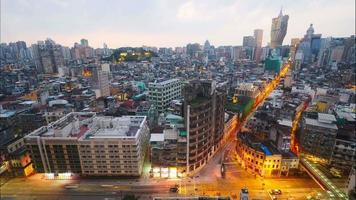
(204,121)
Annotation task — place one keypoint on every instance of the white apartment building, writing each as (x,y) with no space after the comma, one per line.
(162,93)
(86,144)
(114,146)
(103,84)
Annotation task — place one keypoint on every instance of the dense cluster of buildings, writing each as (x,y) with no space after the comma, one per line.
(99,112)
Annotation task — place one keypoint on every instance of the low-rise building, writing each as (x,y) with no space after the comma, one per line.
(262,157)
(289,164)
(168,148)
(17,160)
(247,89)
(318,136)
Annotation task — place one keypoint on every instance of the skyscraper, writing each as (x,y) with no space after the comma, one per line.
(206,46)
(310,45)
(84,42)
(258,35)
(48,56)
(249,44)
(278,29)
(293,47)
(248,41)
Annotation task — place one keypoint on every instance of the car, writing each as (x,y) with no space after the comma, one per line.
(275,192)
(330,194)
(71,186)
(173,189)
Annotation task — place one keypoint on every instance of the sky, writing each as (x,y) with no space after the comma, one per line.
(168,23)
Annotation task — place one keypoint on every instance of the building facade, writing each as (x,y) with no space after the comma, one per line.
(261,157)
(103,83)
(162,93)
(48,56)
(258,35)
(344,152)
(278,30)
(318,136)
(247,89)
(85,144)
(204,121)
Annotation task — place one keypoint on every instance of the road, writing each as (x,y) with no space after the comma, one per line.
(207,182)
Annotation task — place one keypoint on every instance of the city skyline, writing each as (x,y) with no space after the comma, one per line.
(159,23)
(172,99)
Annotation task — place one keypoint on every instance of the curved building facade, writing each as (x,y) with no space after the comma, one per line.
(278,30)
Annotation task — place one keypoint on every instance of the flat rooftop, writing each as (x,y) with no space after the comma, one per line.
(114,127)
(326,118)
(315,122)
(162,83)
(264,146)
(73,125)
(85,126)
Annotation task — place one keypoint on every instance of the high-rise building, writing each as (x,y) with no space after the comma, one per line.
(86,144)
(293,47)
(249,45)
(162,93)
(278,30)
(84,42)
(258,35)
(105,50)
(193,49)
(206,46)
(310,46)
(66,53)
(236,53)
(248,41)
(80,52)
(204,121)
(264,52)
(103,83)
(48,56)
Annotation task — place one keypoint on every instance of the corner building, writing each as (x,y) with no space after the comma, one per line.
(204,121)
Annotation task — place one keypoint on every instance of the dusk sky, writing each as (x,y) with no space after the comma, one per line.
(168,23)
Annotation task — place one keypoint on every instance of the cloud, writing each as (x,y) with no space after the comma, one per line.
(62,3)
(167,22)
(191,11)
